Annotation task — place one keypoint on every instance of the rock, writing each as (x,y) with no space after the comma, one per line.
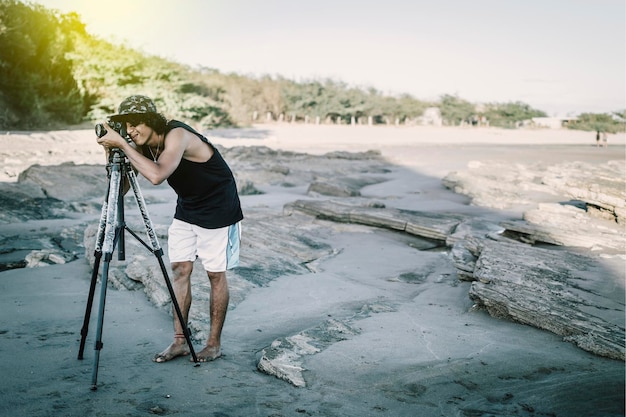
(259,165)
(554,290)
(39,258)
(600,186)
(282,358)
(498,185)
(436,226)
(566,225)
(27,202)
(591,218)
(56,244)
(278,360)
(342,186)
(45,192)
(550,289)
(67,182)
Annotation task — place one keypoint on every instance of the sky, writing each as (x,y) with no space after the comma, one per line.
(564,57)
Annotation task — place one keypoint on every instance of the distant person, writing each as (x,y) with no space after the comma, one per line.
(605,140)
(206,223)
(597,139)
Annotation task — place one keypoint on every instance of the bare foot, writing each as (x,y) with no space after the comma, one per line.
(174,350)
(209,353)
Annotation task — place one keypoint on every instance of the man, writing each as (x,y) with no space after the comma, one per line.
(208,213)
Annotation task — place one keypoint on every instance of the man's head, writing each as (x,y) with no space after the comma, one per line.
(139,109)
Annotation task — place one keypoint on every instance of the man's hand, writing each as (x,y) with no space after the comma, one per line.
(111,139)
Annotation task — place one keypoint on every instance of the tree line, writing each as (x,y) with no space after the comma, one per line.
(54,74)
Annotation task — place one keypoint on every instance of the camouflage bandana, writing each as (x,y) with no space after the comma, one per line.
(136,104)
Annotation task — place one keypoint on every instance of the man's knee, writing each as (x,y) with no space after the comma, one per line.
(182,270)
(217,277)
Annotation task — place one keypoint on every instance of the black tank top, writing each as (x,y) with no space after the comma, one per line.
(207,192)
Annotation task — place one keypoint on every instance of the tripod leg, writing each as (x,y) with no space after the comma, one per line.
(98,343)
(111,232)
(92,289)
(158,252)
(121,222)
(94,278)
(179,314)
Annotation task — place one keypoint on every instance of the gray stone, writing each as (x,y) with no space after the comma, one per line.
(554,290)
(549,289)
(436,226)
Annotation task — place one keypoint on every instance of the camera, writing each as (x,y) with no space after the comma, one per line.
(119,127)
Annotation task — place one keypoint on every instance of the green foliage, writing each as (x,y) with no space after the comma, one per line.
(510,115)
(37,87)
(600,122)
(54,73)
(245,95)
(455,110)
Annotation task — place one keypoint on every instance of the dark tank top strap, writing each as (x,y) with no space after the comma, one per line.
(172,124)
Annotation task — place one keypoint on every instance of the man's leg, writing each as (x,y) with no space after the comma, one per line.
(182,290)
(219,306)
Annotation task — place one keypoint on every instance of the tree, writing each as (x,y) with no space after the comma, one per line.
(510,115)
(52,72)
(599,122)
(455,110)
(36,81)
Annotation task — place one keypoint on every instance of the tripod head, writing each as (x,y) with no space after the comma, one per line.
(116,155)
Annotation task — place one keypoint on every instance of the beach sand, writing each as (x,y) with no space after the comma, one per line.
(421,350)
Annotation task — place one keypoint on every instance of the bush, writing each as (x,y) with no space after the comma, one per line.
(36,80)
(599,122)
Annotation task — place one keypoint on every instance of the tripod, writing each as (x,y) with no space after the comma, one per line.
(111,233)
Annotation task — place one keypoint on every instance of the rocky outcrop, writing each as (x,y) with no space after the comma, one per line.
(282,358)
(554,290)
(600,187)
(436,226)
(49,192)
(29,245)
(334,173)
(566,225)
(28,202)
(554,287)
(558,290)
(74,190)
(571,204)
(581,206)
(78,182)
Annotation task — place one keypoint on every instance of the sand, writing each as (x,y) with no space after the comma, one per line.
(425,352)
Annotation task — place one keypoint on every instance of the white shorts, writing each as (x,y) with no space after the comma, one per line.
(218,249)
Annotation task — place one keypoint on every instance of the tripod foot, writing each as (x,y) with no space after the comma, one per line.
(94,387)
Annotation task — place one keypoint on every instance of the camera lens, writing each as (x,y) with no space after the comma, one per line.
(100,130)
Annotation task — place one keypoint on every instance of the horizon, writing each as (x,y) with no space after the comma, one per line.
(572,60)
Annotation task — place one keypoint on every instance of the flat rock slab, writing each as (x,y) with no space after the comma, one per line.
(600,186)
(570,204)
(282,358)
(553,290)
(500,185)
(67,182)
(436,226)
